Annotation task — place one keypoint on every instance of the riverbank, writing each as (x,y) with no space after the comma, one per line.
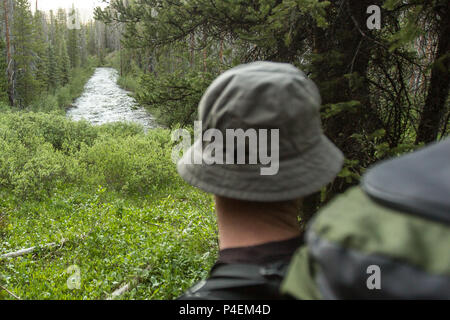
(172,98)
(62,98)
(128,81)
(103,101)
(131,82)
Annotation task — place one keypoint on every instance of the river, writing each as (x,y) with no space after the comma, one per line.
(103,101)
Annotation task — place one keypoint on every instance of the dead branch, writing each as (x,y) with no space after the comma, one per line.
(9,292)
(127,286)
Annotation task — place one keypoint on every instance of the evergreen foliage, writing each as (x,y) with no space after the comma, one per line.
(24,53)
(45,51)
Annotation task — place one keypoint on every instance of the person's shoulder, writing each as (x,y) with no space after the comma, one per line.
(241,282)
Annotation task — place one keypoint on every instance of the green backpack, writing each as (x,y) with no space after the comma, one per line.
(387,239)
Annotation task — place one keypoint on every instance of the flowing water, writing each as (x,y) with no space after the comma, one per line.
(103,101)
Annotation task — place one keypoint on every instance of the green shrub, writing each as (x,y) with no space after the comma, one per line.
(63,97)
(55,129)
(121,129)
(129,82)
(131,164)
(79,79)
(4,107)
(41,151)
(47,104)
(44,172)
(13,157)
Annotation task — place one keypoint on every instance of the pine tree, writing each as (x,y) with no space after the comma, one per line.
(63,63)
(73,43)
(91,40)
(9,62)
(83,45)
(24,53)
(40,50)
(52,69)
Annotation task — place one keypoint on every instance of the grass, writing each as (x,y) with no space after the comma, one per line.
(173,237)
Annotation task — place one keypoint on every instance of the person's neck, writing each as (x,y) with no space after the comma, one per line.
(246,224)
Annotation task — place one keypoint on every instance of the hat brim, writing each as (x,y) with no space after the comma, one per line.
(297,177)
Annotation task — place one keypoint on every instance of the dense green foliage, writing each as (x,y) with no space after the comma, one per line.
(63,97)
(42,51)
(113,194)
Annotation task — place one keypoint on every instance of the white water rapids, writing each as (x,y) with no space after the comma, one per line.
(103,101)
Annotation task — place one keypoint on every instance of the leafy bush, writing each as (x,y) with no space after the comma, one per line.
(43,172)
(129,82)
(122,129)
(46,104)
(131,164)
(41,151)
(63,97)
(4,107)
(52,128)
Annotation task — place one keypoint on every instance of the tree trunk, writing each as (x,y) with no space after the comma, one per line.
(343,49)
(192,54)
(8,53)
(435,105)
(205,51)
(221,53)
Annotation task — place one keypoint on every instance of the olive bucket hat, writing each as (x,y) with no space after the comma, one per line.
(273,97)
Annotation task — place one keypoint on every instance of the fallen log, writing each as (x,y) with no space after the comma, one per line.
(126,287)
(23,252)
(9,292)
(122,290)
